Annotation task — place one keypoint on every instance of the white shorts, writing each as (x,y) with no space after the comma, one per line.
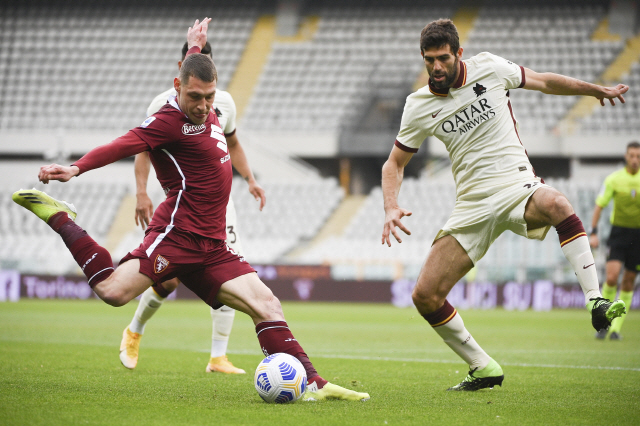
(480,216)
(233,237)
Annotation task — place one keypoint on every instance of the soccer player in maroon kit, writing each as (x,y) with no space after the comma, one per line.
(186,237)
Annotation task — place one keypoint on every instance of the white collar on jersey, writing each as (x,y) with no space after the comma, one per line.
(174,102)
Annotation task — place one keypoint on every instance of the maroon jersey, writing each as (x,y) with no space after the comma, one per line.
(193,166)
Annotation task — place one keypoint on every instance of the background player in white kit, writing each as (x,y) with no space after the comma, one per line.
(153,297)
(466,105)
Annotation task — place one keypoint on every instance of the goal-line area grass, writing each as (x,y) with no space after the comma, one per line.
(59,365)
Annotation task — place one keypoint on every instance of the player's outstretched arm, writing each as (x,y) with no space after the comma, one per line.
(557,84)
(144,205)
(241,164)
(197,35)
(57,172)
(392,175)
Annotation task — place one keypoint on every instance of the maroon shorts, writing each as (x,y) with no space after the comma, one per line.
(202,264)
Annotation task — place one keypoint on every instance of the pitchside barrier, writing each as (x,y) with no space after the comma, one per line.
(314,283)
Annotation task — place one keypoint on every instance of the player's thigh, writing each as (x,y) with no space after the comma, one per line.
(124,284)
(446,264)
(547,206)
(248,294)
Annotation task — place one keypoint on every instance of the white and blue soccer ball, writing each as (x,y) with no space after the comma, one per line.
(280,378)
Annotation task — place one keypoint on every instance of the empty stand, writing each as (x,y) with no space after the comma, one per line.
(321,84)
(28,244)
(544,39)
(99,68)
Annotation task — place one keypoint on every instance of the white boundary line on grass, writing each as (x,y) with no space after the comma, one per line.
(448,361)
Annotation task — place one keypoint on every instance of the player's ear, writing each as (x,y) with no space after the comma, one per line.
(179,65)
(460,50)
(176,84)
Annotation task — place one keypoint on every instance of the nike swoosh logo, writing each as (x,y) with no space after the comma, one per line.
(437,112)
(585,267)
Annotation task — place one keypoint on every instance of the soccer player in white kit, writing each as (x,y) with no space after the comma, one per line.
(466,105)
(154,296)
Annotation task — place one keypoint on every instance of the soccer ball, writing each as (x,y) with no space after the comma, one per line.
(280,378)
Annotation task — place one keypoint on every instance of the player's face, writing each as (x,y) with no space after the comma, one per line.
(195,98)
(442,66)
(632,158)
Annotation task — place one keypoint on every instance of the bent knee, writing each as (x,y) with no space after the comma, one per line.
(562,206)
(557,207)
(427,302)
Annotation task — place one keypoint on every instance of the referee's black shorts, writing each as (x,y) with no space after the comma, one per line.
(624,245)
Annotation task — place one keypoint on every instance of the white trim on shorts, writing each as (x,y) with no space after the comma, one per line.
(170,226)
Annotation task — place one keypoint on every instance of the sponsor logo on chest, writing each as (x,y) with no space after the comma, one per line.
(193,129)
(468,118)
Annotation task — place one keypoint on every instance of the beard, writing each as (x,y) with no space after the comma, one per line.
(449,77)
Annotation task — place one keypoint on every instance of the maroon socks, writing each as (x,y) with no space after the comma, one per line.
(275,336)
(94,260)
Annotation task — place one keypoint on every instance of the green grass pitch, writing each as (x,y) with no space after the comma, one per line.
(59,365)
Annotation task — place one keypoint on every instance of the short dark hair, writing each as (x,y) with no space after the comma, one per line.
(633,144)
(439,34)
(205,51)
(199,66)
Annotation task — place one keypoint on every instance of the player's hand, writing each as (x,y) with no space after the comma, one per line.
(144,210)
(613,93)
(594,241)
(197,35)
(57,172)
(258,193)
(391,221)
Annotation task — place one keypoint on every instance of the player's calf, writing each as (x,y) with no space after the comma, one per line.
(94,260)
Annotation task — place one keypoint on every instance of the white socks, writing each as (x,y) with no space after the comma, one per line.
(149,304)
(460,340)
(222,324)
(578,253)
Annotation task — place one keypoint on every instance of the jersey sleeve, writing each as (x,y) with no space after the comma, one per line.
(411,134)
(606,193)
(230,127)
(156,132)
(122,147)
(512,75)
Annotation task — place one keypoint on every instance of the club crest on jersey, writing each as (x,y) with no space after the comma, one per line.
(193,129)
(146,122)
(218,112)
(479,89)
(160,264)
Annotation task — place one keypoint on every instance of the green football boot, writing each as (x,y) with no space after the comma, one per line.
(603,312)
(488,377)
(42,205)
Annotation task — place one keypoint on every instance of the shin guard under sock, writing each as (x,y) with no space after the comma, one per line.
(275,336)
(447,322)
(575,246)
(94,260)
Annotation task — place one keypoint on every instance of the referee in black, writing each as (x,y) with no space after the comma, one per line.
(623,186)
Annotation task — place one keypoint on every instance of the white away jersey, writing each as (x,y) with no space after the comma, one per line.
(475,121)
(223,105)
